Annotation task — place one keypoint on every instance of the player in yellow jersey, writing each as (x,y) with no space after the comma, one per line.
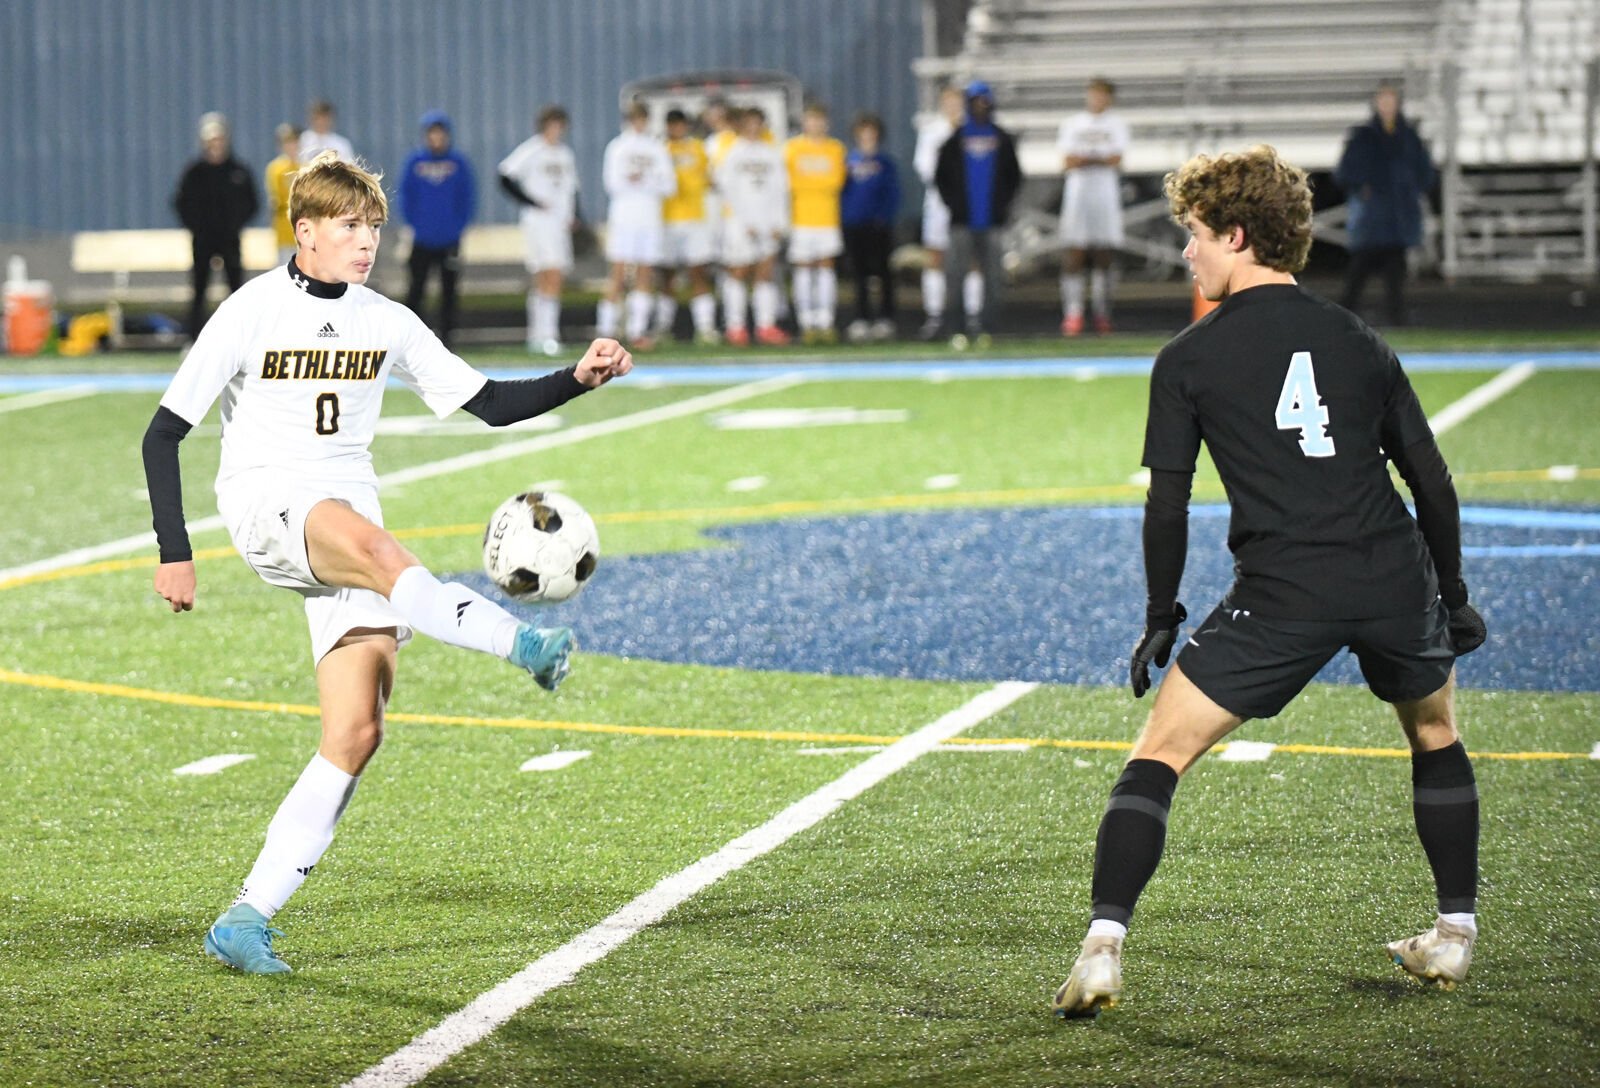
(687,242)
(816,178)
(280,171)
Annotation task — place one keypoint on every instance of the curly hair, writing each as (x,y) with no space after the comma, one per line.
(1253,189)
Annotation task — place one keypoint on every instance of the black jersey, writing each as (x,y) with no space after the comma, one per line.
(1297,401)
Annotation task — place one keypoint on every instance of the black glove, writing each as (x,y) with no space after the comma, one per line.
(1155,645)
(1467,630)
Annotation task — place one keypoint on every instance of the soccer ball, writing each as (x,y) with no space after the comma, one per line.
(540,546)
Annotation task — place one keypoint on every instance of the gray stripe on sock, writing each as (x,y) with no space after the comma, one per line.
(1467,904)
(1449,795)
(1138,804)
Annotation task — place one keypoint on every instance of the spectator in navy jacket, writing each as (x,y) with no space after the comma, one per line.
(1386,172)
(438,198)
(868,207)
(978,177)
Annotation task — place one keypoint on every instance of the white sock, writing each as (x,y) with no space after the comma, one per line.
(1100,291)
(298,835)
(703,308)
(606,317)
(735,299)
(1105,927)
(827,297)
(933,292)
(972,294)
(1468,922)
(549,317)
(534,308)
(1072,294)
(666,313)
(766,300)
(452,613)
(640,303)
(804,296)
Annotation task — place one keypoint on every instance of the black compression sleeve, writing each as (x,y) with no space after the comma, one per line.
(517,192)
(1166,542)
(165,484)
(502,403)
(1422,467)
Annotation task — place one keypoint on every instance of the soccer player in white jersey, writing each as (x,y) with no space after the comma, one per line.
(638,176)
(1091,145)
(300,357)
(541,174)
(936,217)
(319,135)
(754,183)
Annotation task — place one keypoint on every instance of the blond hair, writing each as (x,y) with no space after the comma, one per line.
(1255,190)
(327,188)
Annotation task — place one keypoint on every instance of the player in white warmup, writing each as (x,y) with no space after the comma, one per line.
(931,136)
(638,176)
(300,357)
(541,175)
(754,183)
(1091,145)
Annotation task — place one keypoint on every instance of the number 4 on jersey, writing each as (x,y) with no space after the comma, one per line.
(1300,408)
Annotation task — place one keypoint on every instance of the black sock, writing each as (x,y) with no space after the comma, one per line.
(1444,799)
(1132,833)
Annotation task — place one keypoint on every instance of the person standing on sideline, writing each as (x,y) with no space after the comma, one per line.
(214,201)
(438,198)
(1302,408)
(936,216)
(280,171)
(1386,172)
(978,177)
(867,209)
(1091,145)
(541,175)
(815,161)
(754,184)
(297,492)
(638,177)
(319,135)
(687,238)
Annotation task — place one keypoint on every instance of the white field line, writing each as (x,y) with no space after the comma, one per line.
(675,410)
(46,396)
(1481,397)
(554,761)
(1594,753)
(213,764)
(414,1061)
(1246,751)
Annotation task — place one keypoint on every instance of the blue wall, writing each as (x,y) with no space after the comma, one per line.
(104,96)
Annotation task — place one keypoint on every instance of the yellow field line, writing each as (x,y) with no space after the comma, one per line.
(209,702)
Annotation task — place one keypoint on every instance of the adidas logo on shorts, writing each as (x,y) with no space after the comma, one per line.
(327,330)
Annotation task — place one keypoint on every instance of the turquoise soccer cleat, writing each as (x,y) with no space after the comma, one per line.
(545,652)
(242,939)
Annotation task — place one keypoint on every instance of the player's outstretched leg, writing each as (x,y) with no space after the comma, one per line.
(545,652)
(1439,957)
(241,938)
(456,614)
(1095,982)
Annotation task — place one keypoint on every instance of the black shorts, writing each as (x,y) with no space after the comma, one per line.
(1251,666)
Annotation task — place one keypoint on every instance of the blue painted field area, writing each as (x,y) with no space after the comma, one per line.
(1053,594)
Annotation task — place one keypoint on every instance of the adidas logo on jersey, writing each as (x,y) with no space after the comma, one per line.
(327,330)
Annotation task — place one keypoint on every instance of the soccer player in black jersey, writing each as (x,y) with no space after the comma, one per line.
(1302,408)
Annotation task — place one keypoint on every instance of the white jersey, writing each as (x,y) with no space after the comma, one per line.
(754,183)
(1093,135)
(638,175)
(930,138)
(312,142)
(301,380)
(548,173)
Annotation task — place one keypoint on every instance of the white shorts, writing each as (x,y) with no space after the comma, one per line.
(546,243)
(935,222)
(269,530)
(632,244)
(742,247)
(685,245)
(807,244)
(1092,220)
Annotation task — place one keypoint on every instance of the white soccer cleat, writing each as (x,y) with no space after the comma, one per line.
(1095,982)
(1439,957)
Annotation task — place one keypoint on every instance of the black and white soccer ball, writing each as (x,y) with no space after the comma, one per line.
(541,546)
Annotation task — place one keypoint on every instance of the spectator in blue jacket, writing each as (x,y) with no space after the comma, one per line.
(978,177)
(438,198)
(867,209)
(1386,172)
